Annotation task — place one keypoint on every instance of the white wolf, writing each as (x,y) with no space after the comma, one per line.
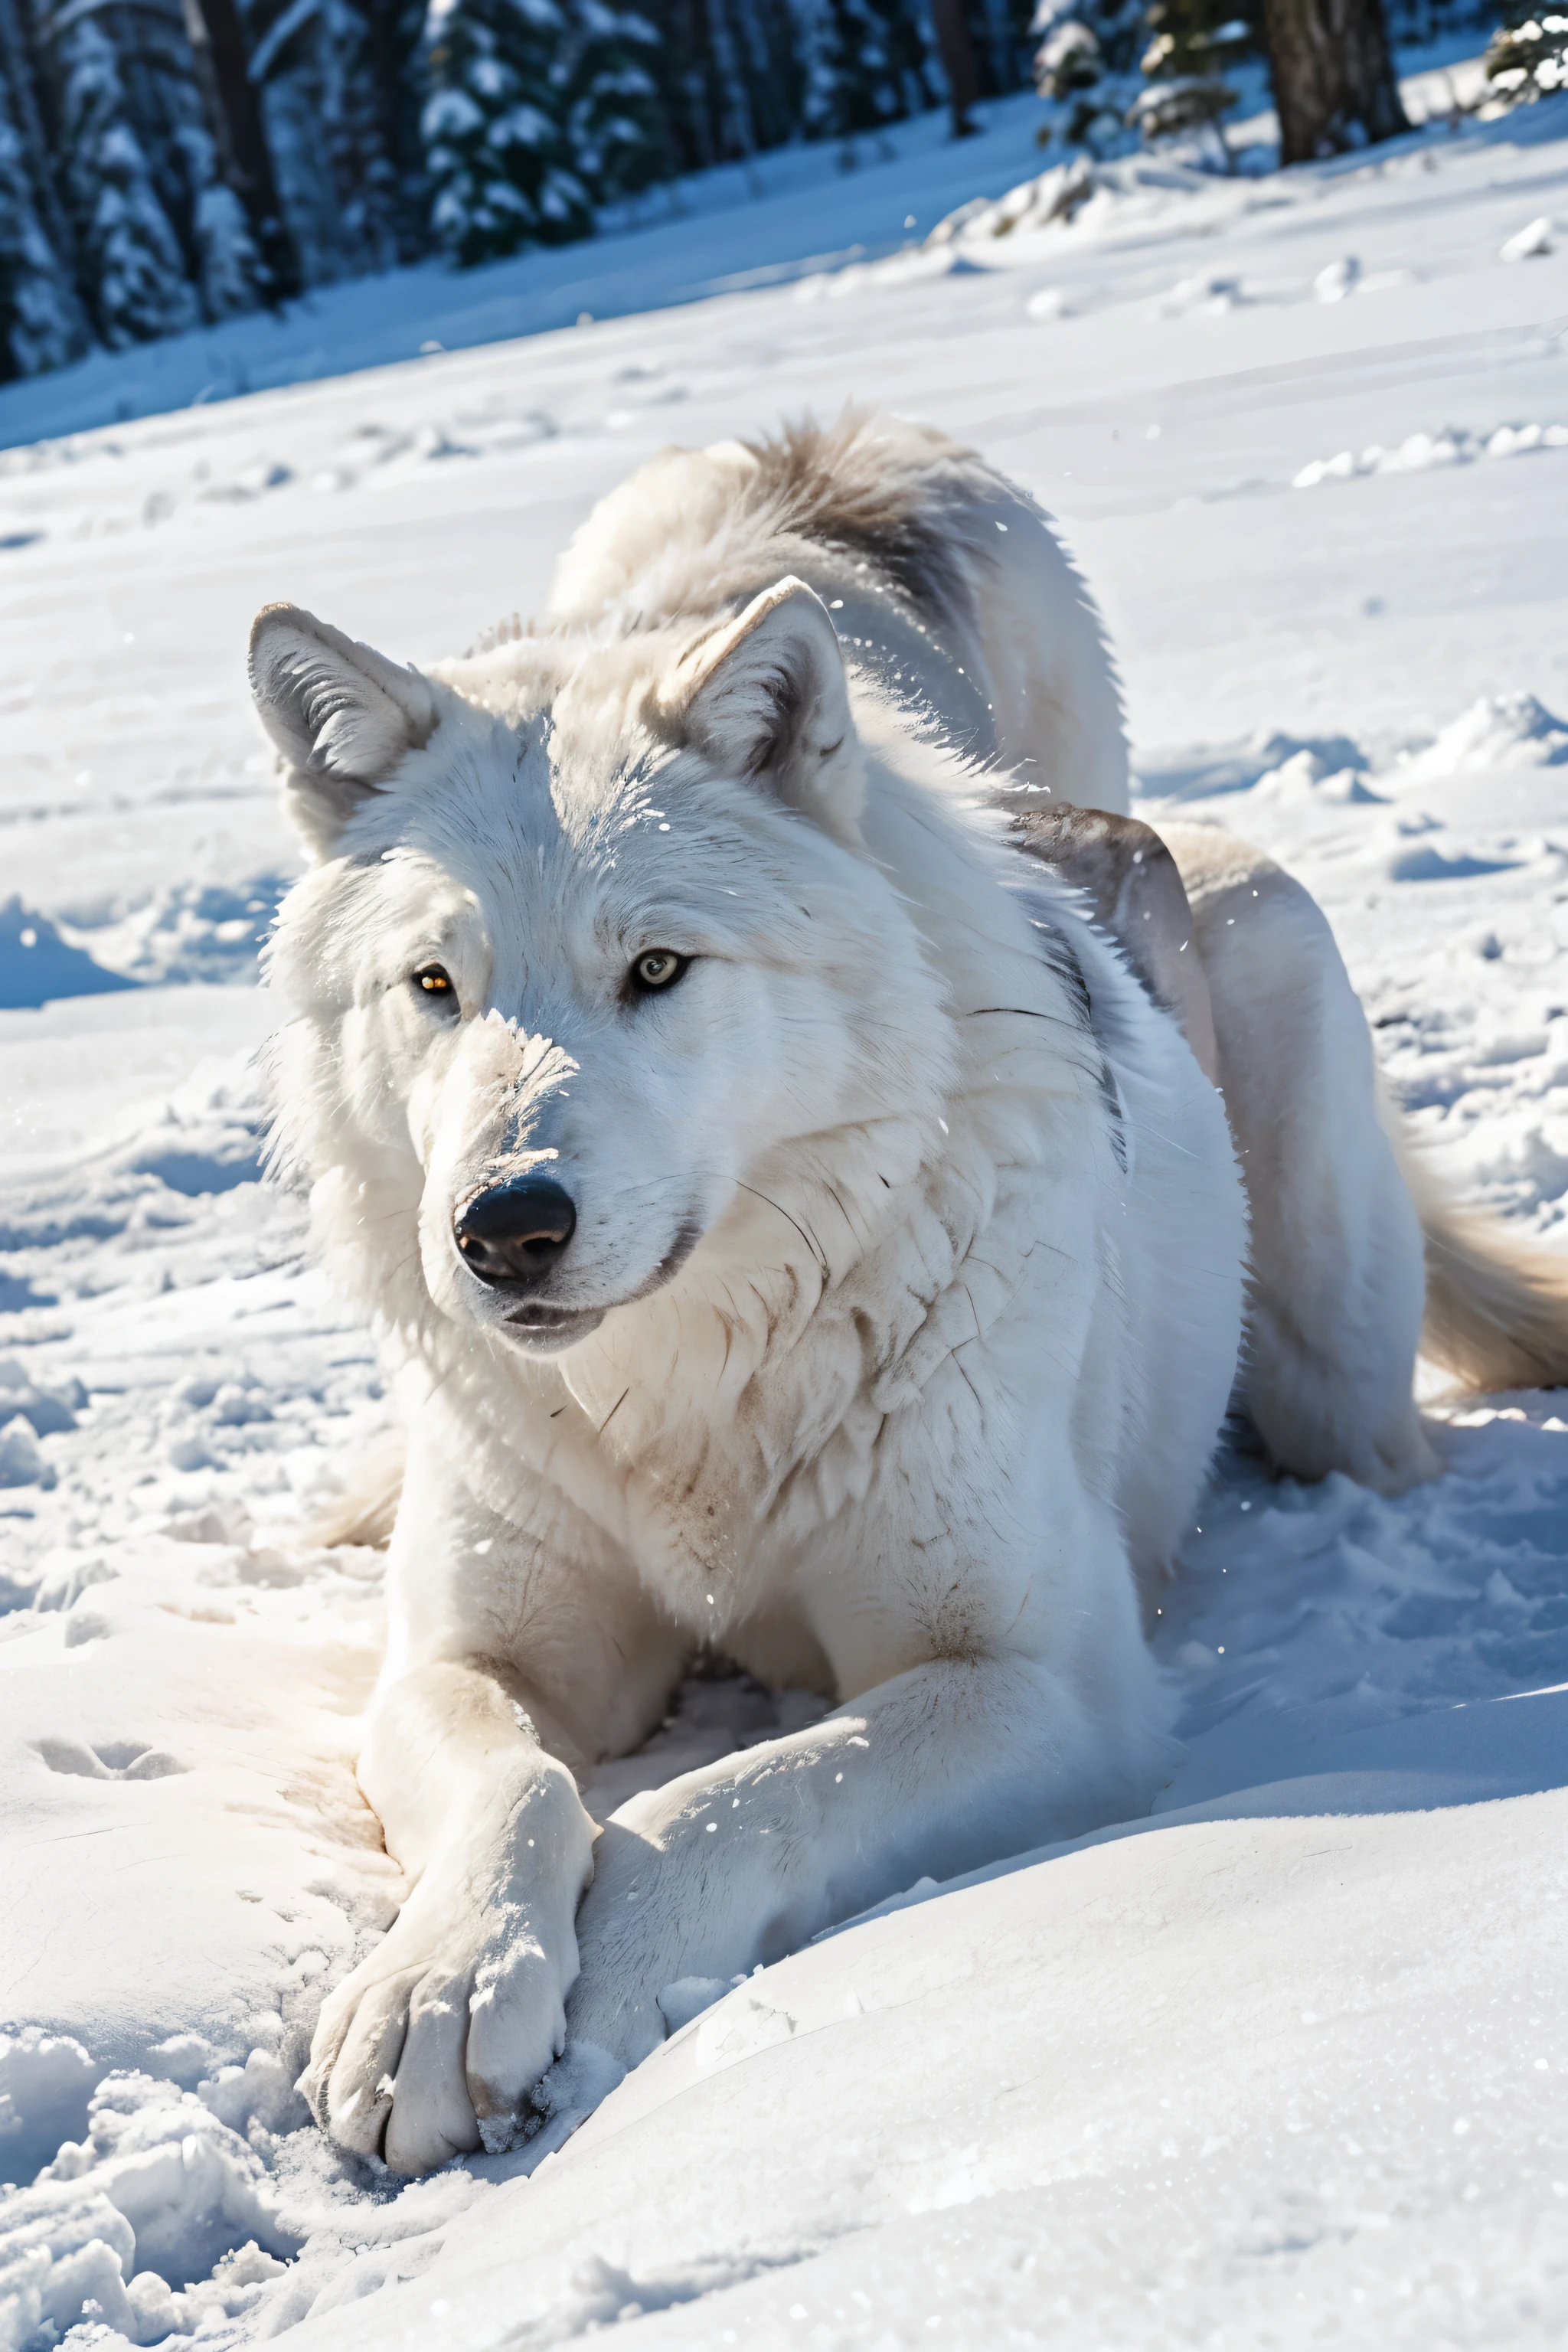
(796,1228)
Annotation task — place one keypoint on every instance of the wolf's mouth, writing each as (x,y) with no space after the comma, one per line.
(554,1326)
(542,1326)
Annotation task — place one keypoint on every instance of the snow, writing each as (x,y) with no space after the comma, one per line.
(1288,2056)
(1196,2085)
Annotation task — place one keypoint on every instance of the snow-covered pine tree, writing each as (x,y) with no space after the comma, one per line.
(226,144)
(1528,57)
(866,64)
(821,104)
(40,320)
(349,180)
(1201,36)
(496,146)
(230,274)
(209,172)
(131,268)
(1087,71)
(1196,43)
(396,60)
(42,323)
(196,164)
(616,131)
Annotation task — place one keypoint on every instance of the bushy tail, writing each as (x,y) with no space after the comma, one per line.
(1496,1305)
(365,1510)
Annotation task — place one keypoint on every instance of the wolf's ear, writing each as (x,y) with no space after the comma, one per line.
(342,715)
(766,696)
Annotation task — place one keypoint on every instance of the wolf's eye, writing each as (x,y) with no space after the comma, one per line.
(660,968)
(430,979)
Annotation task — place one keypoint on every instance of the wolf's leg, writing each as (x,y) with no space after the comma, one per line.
(942,1768)
(1337,1252)
(458,2009)
(517,1659)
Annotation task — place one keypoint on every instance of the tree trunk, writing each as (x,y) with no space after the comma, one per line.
(1334,86)
(234,115)
(957,53)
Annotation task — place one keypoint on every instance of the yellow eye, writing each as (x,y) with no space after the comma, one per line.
(660,968)
(431,981)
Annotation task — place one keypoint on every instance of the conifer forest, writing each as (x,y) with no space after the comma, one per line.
(171,163)
(165,164)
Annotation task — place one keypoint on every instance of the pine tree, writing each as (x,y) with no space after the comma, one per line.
(866,65)
(821,105)
(131,268)
(615,123)
(232,277)
(395,59)
(1201,36)
(1195,44)
(496,145)
(40,321)
(1528,57)
(237,157)
(1087,71)
(321,66)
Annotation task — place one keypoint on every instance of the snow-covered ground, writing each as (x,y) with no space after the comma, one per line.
(1286,2061)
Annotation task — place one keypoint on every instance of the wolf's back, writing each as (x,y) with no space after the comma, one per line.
(919,547)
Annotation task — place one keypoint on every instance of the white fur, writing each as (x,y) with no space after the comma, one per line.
(1338,1284)
(902,1309)
(1011,660)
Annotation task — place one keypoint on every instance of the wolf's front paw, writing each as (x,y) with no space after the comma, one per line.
(428,2048)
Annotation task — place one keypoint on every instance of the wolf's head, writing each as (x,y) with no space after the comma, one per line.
(592,944)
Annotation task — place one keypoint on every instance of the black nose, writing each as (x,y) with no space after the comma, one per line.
(516,1231)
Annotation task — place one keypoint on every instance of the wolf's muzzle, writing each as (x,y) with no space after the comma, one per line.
(513,1234)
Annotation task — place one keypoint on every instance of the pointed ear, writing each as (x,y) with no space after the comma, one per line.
(340,715)
(766,696)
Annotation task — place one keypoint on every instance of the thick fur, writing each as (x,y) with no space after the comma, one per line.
(1135,887)
(946,584)
(905,1294)
(1497,1308)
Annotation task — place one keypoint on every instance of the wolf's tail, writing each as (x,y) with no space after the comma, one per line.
(1497,1305)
